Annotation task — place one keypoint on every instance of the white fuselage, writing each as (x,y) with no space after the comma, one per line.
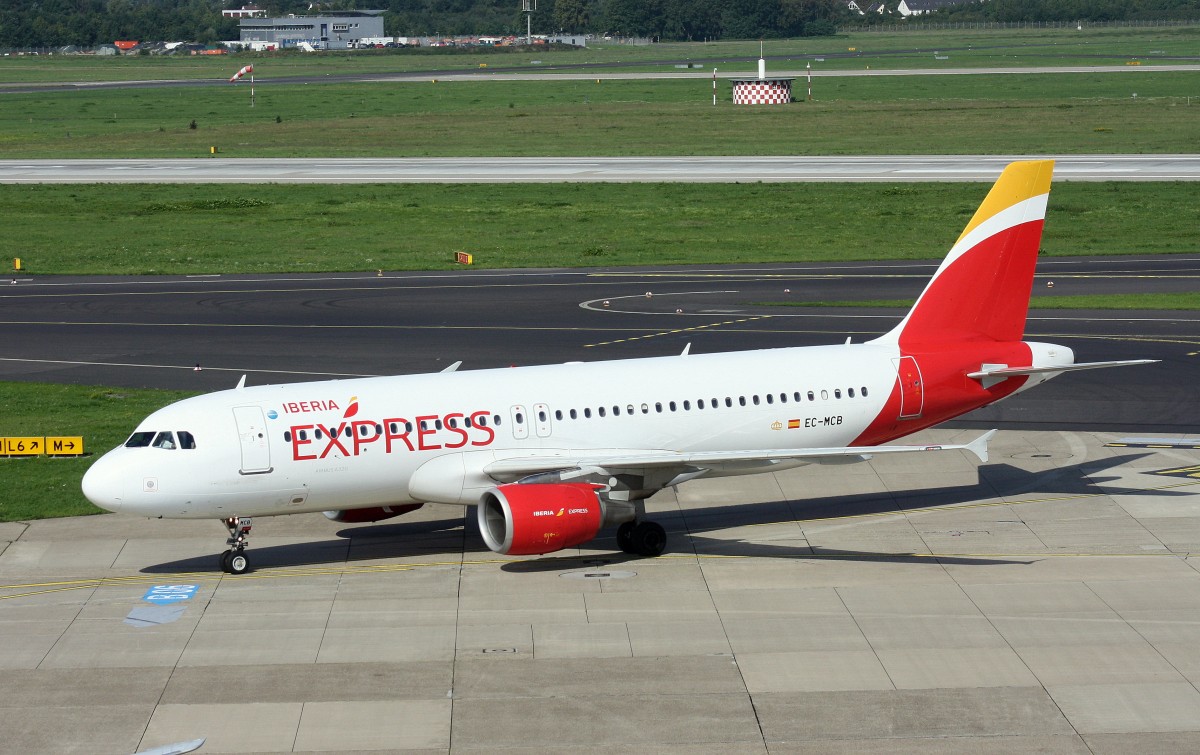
(268,450)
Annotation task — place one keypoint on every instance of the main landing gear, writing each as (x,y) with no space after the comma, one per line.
(642,538)
(234,560)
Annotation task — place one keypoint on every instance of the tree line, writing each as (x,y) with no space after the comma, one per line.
(86,23)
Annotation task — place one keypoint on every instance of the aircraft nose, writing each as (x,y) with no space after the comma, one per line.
(102,484)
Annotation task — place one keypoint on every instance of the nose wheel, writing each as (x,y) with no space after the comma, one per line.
(235,560)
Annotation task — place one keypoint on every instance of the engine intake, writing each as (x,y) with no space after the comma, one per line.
(530,519)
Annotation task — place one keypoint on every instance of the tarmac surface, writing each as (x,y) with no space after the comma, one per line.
(713,169)
(1044,602)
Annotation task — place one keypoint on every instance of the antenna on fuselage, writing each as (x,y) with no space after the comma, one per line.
(454,367)
(241,384)
(686,350)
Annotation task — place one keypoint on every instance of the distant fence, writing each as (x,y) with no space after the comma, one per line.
(909,25)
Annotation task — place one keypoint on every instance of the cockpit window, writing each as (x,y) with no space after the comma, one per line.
(186,440)
(164,440)
(140,439)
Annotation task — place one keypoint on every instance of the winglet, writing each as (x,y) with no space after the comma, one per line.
(979,446)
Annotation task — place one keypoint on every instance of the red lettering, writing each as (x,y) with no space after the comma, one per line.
(425,427)
(359,439)
(333,440)
(291,408)
(454,428)
(389,435)
(297,441)
(491,435)
(331,405)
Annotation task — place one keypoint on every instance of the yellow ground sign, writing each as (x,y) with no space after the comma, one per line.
(22,446)
(64,446)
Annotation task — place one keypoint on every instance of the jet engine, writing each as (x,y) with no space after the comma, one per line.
(374,514)
(522,520)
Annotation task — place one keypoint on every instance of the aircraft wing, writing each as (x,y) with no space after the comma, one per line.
(700,462)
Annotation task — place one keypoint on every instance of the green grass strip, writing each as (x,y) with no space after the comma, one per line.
(230,229)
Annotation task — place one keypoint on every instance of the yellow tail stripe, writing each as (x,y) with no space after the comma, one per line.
(1018,182)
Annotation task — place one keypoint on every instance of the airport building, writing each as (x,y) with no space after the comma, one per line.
(339,31)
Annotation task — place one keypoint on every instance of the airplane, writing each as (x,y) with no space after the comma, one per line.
(549,455)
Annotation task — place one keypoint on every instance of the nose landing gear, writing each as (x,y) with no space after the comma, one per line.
(234,560)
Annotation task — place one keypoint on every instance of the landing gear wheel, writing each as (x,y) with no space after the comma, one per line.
(625,537)
(239,563)
(649,539)
(234,561)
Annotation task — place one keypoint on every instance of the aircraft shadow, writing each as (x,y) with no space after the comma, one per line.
(437,538)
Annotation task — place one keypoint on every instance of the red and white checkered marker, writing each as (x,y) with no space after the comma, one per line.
(768,92)
(241,73)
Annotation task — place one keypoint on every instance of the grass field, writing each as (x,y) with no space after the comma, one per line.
(41,487)
(161,229)
(979,114)
(898,49)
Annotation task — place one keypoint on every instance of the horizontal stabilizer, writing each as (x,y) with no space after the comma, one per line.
(1002,372)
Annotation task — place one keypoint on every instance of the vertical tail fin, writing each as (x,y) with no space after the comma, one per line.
(981,291)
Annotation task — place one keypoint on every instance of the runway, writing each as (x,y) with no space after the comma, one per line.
(890,168)
(152,331)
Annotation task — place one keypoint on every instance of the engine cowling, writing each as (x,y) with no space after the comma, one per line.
(523,520)
(374,514)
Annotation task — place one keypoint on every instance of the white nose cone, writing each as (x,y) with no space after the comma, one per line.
(102,485)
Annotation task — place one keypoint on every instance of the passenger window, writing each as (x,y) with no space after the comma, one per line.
(783,398)
(687,406)
(587,413)
(407,426)
(756,399)
(165,440)
(287,436)
(770,399)
(186,440)
(574,414)
(496,420)
(796,396)
(600,411)
(671,406)
(629,409)
(520,418)
(140,440)
(864,391)
(316,434)
(304,434)
(850,392)
(700,403)
(541,415)
(437,423)
(558,415)
(658,406)
(728,401)
(811,396)
(616,411)
(741,400)
(349,431)
(645,408)
(824,395)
